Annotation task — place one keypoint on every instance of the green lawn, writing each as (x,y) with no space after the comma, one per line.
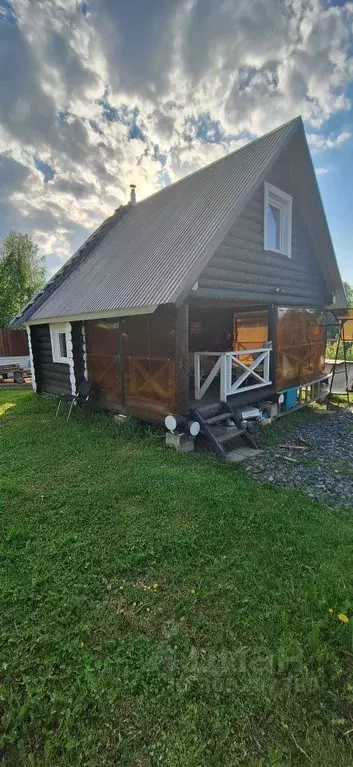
(159,609)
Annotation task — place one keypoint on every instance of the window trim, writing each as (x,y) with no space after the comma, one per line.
(55,344)
(284,202)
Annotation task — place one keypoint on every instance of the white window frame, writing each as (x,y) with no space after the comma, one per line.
(55,345)
(284,202)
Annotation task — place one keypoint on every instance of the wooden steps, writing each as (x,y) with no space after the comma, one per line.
(223,427)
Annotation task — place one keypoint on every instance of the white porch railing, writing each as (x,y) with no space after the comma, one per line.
(233,373)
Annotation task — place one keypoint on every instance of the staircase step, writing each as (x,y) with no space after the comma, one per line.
(230,434)
(216,419)
(207,411)
(212,419)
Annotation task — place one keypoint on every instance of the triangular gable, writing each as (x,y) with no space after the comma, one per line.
(313,260)
(306,190)
(242,270)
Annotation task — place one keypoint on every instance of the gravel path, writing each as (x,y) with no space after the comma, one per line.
(323,469)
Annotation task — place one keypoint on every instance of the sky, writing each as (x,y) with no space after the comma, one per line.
(98,94)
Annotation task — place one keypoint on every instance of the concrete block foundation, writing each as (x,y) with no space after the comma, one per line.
(183,443)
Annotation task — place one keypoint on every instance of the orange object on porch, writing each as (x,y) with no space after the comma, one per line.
(250,332)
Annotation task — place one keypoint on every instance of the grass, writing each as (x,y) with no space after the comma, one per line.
(159,609)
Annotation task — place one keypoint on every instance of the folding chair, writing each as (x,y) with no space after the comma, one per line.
(82,395)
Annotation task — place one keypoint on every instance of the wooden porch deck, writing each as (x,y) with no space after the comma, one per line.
(240,399)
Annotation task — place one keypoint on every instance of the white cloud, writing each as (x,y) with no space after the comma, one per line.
(320,143)
(105,101)
(322,170)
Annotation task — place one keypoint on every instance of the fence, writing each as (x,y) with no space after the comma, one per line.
(13,343)
(234,375)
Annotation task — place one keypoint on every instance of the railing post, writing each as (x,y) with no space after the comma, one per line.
(197,374)
(229,372)
(267,366)
(224,378)
(272,337)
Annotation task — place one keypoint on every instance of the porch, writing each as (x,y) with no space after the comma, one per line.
(231,355)
(224,376)
(256,352)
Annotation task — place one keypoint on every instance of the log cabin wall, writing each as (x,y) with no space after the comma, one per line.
(51,377)
(242,271)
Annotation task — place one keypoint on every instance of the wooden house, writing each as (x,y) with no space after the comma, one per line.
(210,291)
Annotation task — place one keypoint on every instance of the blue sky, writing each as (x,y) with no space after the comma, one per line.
(97,94)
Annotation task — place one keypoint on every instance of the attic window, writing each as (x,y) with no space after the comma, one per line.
(277,221)
(60,337)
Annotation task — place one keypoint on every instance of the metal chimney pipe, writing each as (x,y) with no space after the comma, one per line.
(132,194)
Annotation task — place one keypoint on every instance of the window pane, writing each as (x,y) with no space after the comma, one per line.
(62,345)
(273,227)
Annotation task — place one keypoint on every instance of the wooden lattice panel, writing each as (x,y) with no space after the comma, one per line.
(151,379)
(301,339)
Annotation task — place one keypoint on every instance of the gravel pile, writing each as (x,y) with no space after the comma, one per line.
(322,466)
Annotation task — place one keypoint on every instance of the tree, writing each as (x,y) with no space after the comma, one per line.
(22,274)
(348,289)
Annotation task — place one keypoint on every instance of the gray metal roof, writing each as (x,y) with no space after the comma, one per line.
(153,252)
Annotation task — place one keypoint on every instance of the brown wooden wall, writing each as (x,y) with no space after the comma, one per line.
(149,362)
(103,361)
(13,343)
(131,363)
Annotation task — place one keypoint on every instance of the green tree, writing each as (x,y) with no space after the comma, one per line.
(22,274)
(348,289)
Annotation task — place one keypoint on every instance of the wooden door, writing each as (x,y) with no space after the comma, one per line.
(104,362)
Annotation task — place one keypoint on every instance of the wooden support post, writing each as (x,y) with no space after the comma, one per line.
(333,370)
(272,336)
(345,360)
(197,375)
(122,361)
(182,359)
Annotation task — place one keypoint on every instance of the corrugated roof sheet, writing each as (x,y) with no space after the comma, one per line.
(151,253)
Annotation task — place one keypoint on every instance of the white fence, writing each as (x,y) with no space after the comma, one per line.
(233,373)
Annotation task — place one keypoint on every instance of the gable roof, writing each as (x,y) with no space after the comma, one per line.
(152,253)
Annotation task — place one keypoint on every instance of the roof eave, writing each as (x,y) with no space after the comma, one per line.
(104,314)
